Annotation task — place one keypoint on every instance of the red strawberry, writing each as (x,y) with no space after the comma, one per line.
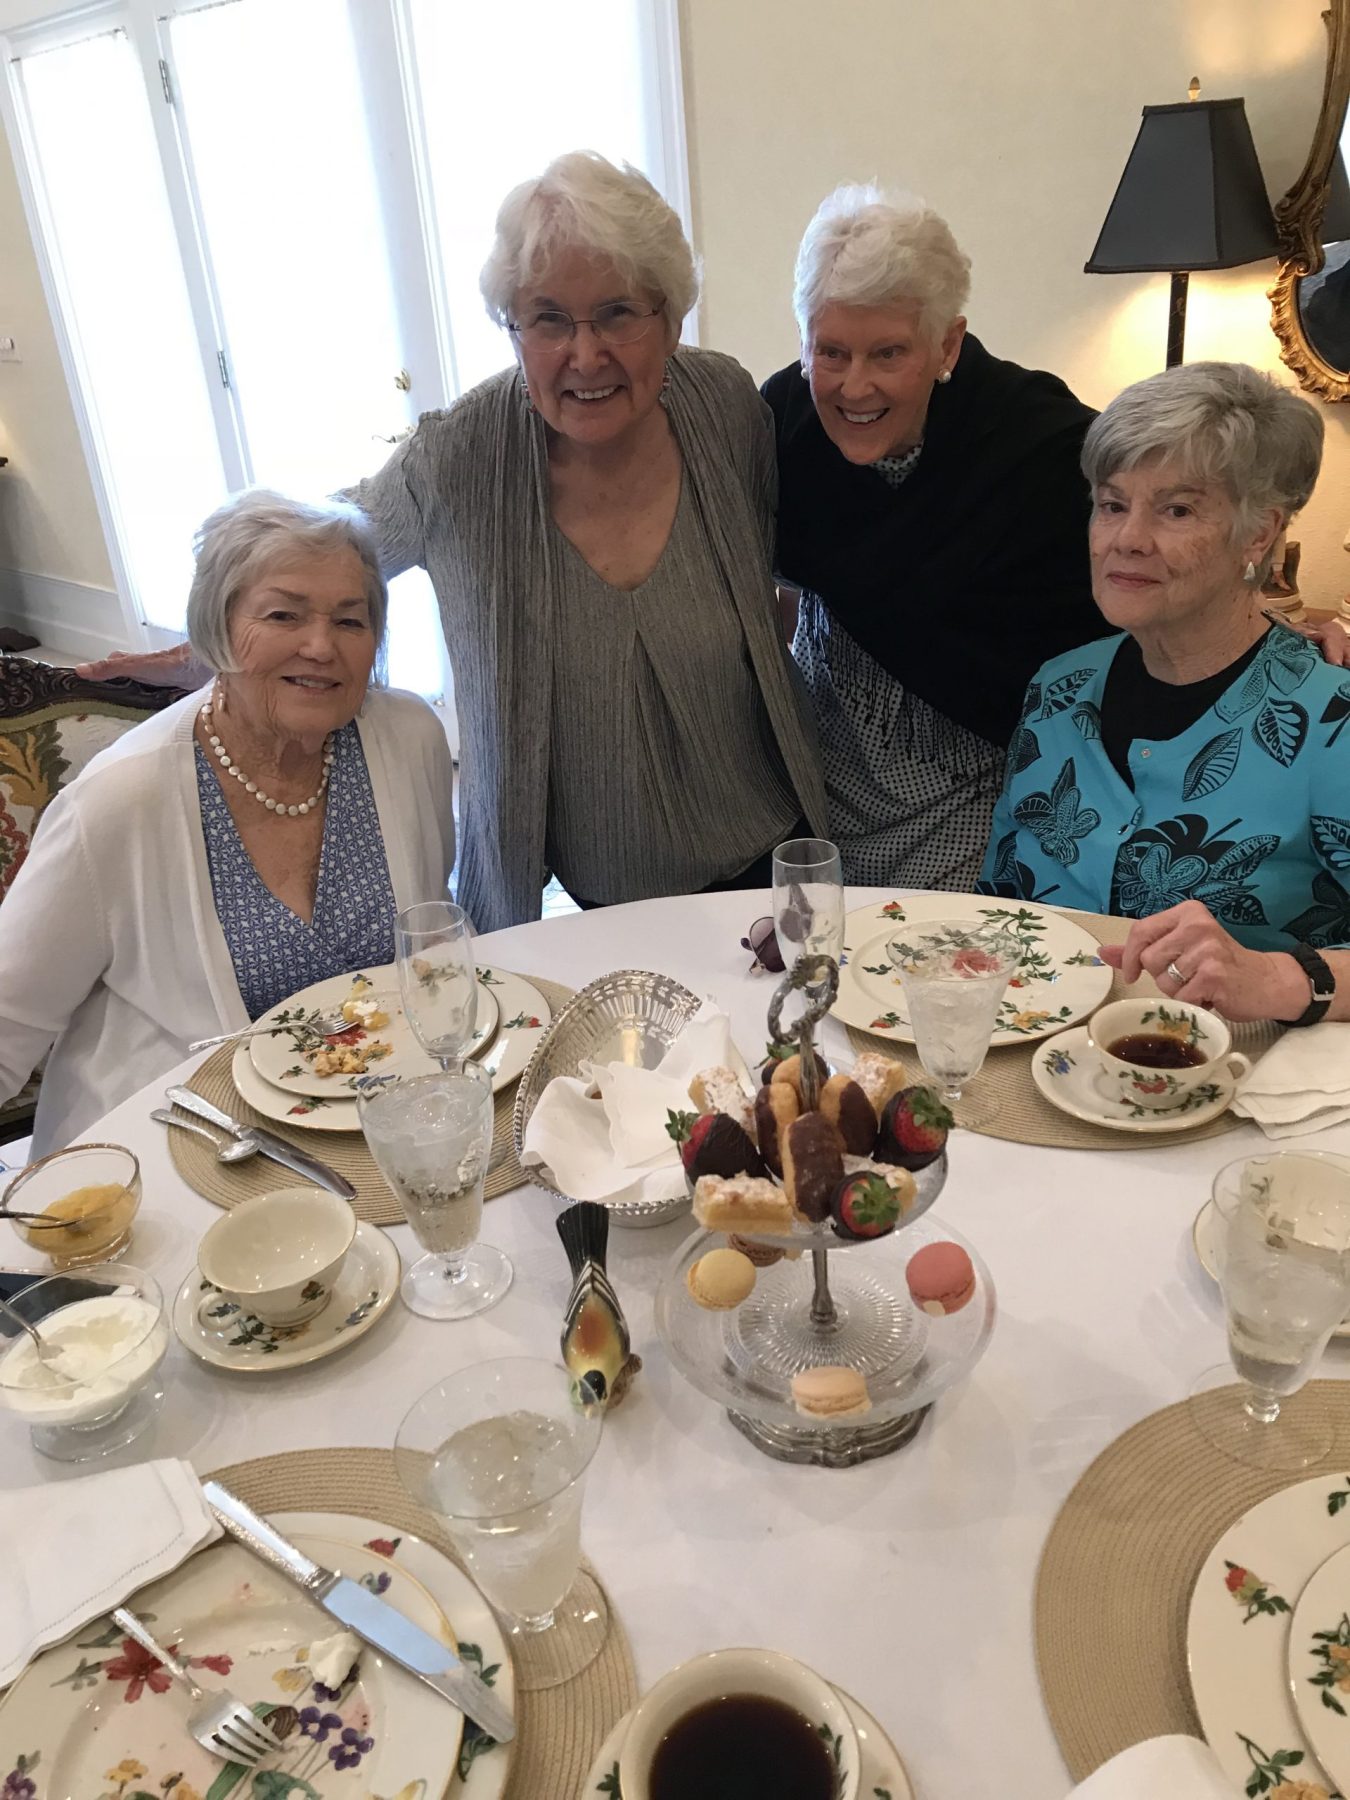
(864,1206)
(714,1144)
(914,1127)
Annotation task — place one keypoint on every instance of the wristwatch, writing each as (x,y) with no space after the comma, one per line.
(1319,974)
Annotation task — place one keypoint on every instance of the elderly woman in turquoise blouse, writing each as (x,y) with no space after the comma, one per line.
(1192,771)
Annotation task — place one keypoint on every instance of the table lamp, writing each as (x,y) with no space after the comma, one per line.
(1192,197)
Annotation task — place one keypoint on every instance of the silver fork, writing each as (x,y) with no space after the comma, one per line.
(327,1026)
(219,1722)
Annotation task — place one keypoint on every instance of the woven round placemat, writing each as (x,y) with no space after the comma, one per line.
(226,1184)
(1114,1586)
(1025,1116)
(560,1731)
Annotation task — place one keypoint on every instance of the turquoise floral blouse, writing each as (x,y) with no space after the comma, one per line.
(1248,811)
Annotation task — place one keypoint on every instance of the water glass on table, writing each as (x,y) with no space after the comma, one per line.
(431,1137)
(500,1452)
(1282,1249)
(437,977)
(808,899)
(955,973)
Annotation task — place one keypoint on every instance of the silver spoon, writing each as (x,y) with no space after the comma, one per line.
(228,1150)
(49,1355)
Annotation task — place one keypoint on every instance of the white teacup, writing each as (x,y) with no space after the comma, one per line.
(278,1255)
(1154,1088)
(718,1675)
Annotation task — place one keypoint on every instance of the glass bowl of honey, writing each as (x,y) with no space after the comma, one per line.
(77,1205)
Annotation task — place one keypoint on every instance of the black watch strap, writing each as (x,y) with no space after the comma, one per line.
(1318,971)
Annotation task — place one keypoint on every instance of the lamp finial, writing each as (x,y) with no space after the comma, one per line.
(1193,89)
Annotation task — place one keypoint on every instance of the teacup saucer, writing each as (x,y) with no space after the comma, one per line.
(883,1773)
(1065,1071)
(221,1333)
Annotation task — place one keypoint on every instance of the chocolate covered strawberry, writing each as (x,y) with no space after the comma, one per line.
(914,1127)
(864,1206)
(714,1144)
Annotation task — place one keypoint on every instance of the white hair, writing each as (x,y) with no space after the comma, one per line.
(583,202)
(1220,422)
(865,249)
(259,530)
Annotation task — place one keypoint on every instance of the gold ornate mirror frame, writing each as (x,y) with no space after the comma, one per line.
(1298,218)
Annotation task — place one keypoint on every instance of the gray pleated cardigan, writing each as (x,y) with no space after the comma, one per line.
(467,498)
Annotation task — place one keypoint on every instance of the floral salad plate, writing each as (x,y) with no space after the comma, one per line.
(1066,1072)
(1238,1636)
(288,1054)
(1061,977)
(523,1016)
(883,1773)
(97,1718)
(221,1332)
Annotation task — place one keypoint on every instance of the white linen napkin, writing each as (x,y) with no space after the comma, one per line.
(1182,1768)
(617,1148)
(1301,1084)
(75,1549)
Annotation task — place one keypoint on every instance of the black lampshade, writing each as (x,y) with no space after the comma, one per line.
(1192,195)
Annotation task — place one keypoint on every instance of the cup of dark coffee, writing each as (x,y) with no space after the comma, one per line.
(1158,1053)
(750,1722)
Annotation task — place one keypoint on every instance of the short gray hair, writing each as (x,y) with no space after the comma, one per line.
(583,202)
(256,531)
(1221,422)
(865,249)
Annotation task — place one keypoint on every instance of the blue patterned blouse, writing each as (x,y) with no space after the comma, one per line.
(274,952)
(1247,811)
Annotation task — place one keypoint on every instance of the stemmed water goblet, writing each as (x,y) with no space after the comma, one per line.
(438,978)
(1282,1250)
(955,973)
(500,1452)
(808,899)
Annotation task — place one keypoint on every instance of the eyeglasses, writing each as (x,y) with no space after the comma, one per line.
(762,942)
(620,322)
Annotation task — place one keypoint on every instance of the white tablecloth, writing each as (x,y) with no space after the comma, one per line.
(907,1581)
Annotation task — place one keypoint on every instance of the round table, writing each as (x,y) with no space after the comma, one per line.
(907,1581)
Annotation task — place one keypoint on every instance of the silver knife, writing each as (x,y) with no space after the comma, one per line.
(368,1616)
(279,1149)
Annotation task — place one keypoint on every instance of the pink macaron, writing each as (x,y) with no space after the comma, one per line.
(941,1278)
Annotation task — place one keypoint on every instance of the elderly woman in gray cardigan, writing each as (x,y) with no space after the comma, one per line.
(597,522)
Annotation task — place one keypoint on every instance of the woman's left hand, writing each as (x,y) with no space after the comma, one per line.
(1191,957)
(1332,637)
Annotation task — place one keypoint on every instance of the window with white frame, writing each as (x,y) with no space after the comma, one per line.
(261,224)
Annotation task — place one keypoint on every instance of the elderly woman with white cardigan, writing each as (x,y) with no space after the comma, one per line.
(238,846)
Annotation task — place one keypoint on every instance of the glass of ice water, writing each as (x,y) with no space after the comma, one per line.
(432,1137)
(955,973)
(500,1452)
(1282,1247)
(437,977)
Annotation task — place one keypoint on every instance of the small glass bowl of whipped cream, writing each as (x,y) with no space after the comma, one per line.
(105,1383)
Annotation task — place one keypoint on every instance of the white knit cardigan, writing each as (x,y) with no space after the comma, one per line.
(110,946)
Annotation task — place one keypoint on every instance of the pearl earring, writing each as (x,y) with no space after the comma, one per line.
(805,373)
(945,377)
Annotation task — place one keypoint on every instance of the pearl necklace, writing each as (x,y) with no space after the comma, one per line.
(279,807)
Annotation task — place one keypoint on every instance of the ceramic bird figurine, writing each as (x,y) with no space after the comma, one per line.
(595,1342)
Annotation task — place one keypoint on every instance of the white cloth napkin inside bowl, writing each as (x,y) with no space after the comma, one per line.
(75,1549)
(1301,1084)
(616,1148)
(1182,1768)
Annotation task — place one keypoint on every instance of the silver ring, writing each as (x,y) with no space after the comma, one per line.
(1175,974)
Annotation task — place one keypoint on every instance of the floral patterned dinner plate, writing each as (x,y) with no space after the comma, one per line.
(98,1718)
(1061,977)
(1238,1634)
(883,1774)
(220,1332)
(1065,1074)
(523,1015)
(1319,1665)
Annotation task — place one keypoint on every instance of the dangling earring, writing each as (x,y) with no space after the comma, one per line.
(664,395)
(525,390)
(1249,573)
(945,377)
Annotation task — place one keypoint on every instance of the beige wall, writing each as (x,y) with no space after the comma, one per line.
(49,524)
(1014,117)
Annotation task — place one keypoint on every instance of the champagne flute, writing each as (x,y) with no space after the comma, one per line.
(955,973)
(438,978)
(1282,1247)
(808,899)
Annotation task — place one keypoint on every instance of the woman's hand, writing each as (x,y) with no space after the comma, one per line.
(1332,637)
(174,667)
(1214,969)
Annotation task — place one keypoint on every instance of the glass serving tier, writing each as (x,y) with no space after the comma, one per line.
(745,1359)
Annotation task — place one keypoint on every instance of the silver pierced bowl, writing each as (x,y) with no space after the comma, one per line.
(632,1016)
